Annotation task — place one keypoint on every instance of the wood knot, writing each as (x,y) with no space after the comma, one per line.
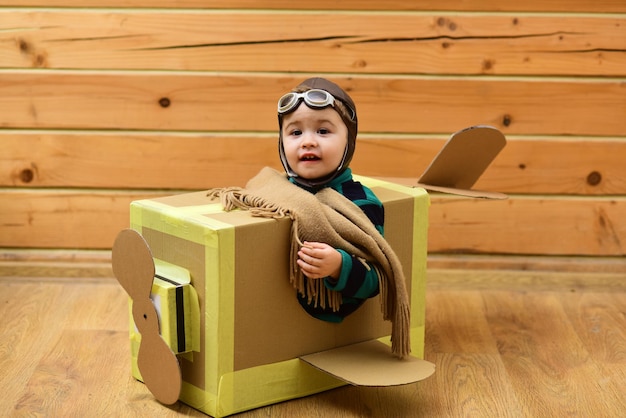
(164,102)
(23,46)
(27,175)
(506,120)
(594,178)
(39,60)
(442,21)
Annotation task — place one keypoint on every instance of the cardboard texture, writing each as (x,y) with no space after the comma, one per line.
(462,160)
(251,329)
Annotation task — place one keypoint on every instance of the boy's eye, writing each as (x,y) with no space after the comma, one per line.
(296,132)
(323,131)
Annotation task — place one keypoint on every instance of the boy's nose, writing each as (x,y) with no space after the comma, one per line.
(308,140)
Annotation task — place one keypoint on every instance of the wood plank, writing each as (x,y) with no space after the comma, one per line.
(27,335)
(601,325)
(55,268)
(73,369)
(134,160)
(598,6)
(405,43)
(95,337)
(519,225)
(463,376)
(599,321)
(75,349)
(469,334)
(64,219)
(564,378)
(585,166)
(54,263)
(528,225)
(524,263)
(168,101)
(61,256)
(481,279)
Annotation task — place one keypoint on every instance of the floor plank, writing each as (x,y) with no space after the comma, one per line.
(27,332)
(550,368)
(456,323)
(505,343)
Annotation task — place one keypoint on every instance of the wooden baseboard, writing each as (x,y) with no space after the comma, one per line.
(97,264)
(55,264)
(615,265)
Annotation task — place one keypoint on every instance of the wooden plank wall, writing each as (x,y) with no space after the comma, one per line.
(127,99)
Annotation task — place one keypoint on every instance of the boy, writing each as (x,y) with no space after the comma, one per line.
(316,143)
(338,256)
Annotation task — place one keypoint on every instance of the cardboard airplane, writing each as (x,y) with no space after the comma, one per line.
(215,323)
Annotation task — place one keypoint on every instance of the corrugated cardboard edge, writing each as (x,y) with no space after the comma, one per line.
(414,183)
(464,192)
(370,364)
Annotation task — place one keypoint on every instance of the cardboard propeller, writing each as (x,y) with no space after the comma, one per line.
(462,160)
(133,267)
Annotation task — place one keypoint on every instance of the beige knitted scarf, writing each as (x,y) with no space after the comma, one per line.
(329,217)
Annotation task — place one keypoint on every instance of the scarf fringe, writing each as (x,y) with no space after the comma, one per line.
(398,312)
(237,198)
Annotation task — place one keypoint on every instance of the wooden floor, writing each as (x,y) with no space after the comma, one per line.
(505,343)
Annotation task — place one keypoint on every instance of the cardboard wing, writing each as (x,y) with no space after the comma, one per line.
(462,160)
(369,364)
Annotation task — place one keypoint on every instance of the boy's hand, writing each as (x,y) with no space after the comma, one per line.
(318,260)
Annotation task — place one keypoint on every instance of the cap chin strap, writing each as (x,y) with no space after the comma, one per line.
(312,184)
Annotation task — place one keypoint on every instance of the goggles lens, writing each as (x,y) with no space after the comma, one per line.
(313,98)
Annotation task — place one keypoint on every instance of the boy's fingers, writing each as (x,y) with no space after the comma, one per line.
(310,251)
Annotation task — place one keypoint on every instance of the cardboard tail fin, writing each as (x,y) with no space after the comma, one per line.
(462,160)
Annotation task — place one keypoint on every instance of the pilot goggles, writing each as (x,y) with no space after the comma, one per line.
(314,98)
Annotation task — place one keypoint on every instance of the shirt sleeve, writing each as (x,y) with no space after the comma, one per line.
(358,279)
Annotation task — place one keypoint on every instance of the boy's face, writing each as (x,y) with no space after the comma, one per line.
(314,141)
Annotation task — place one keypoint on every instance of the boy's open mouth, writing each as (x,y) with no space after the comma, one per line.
(309,157)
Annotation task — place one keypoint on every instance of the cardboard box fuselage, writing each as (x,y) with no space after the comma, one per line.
(252,330)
